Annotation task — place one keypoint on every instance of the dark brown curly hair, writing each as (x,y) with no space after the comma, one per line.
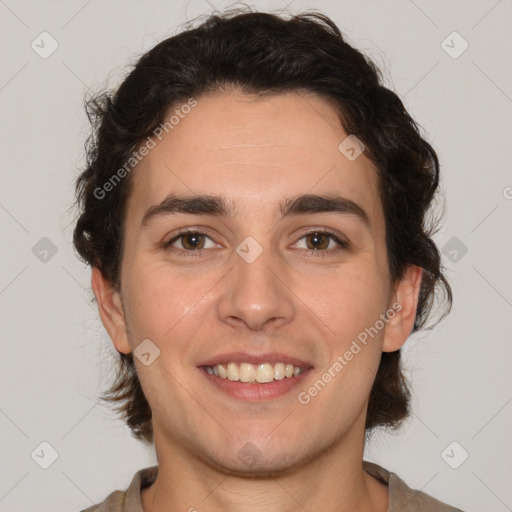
(262,54)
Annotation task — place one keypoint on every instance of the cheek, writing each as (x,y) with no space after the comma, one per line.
(162,303)
(349,300)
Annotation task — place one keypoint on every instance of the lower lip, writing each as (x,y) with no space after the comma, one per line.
(255,392)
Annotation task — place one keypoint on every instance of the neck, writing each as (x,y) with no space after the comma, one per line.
(334,480)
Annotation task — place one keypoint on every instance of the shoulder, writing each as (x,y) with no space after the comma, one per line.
(113,503)
(129,500)
(402,497)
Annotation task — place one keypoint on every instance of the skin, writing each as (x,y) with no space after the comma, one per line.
(257,152)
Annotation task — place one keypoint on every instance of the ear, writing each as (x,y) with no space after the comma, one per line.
(111,310)
(404,303)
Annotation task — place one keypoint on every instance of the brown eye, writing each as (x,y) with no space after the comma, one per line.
(321,243)
(192,241)
(317,240)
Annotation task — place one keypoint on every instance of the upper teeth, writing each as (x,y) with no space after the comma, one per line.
(246,372)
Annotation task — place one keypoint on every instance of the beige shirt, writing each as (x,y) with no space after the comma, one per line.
(401,497)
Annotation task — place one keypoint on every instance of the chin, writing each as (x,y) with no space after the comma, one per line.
(258,459)
(252,464)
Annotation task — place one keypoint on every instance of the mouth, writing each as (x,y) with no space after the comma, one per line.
(255,378)
(261,373)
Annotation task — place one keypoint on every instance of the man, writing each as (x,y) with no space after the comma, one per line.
(254,213)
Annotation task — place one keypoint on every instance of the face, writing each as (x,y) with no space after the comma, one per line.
(274,280)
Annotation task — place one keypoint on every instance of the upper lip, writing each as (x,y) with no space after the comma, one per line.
(244,357)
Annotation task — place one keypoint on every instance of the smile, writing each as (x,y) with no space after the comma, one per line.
(261,373)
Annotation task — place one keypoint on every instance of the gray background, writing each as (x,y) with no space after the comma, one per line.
(56,356)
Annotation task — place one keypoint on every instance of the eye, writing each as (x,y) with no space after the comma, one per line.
(321,241)
(190,241)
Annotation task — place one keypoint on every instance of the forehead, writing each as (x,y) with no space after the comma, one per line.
(255,151)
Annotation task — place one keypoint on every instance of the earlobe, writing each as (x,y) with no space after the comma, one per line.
(111,310)
(405,304)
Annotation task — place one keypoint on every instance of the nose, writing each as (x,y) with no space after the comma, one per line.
(256,295)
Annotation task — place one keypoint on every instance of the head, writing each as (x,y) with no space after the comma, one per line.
(250,111)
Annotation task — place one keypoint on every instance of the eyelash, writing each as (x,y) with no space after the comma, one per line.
(199,252)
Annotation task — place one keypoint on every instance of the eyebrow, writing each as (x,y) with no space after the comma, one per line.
(220,206)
